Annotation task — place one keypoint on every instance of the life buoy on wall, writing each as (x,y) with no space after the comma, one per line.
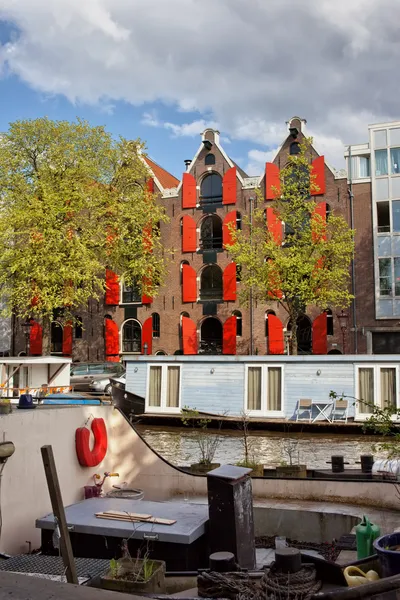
(86,456)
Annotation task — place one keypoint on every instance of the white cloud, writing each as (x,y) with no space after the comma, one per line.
(335,67)
(190,129)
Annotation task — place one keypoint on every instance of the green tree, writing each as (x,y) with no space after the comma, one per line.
(73,202)
(309,265)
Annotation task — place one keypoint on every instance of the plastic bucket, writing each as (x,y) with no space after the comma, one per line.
(389,559)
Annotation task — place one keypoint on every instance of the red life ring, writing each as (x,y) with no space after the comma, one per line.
(86,456)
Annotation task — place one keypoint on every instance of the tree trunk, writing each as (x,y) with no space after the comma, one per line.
(46,336)
(293,338)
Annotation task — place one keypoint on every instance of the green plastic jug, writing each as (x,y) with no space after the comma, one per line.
(366,533)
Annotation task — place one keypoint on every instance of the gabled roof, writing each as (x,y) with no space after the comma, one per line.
(166,180)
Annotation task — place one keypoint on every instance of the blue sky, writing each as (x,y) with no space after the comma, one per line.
(163,71)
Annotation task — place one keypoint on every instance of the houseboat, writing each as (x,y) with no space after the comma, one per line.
(270,388)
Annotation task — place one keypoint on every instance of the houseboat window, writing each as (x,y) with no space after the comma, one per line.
(211,283)
(164,387)
(156,325)
(238,315)
(211,189)
(155,386)
(211,233)
(209,159)
(173,387)
(366,390)
(254,388)
(376,387)
(388,387)
(274,389)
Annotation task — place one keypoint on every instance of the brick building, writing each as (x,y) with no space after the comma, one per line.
(197,311)
(374,183)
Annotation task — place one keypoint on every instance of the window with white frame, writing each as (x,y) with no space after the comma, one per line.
(263,390)
(164,388)
(376,386)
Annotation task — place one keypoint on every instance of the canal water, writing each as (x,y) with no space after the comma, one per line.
(180,447)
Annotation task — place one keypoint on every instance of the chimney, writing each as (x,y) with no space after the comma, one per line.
(187,162)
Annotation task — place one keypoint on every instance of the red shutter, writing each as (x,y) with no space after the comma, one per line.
(189,235)
(111,340)
(230,218)
(189,284)
(189,192)
(276,343)
(319,335)
(229,336)
(318,169)
(146,299)
(189,336)
(35,339)
(272,181)
(150,185)
(67,340)
(112,288)
(229,187)
(320,209)
(147,335)
(274,225)
(229,280)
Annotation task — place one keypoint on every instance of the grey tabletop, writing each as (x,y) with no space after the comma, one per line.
(190,519)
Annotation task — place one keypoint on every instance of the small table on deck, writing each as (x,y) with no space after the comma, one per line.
(322,408)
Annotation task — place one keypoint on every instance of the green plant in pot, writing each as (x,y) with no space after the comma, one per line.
(5,406)
(248,444)
(133,575)
(206,441)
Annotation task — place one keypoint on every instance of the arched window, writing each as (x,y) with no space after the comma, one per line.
(211,189)
(294,148)
(209,159)
(184,314)
(211,233)
(211,283)
(328,211)
(304,334)
(161,353)
(156,325)
(269,312)
(211,336)
(238,221)
(78,328)
(183,262)
(132,336)
(329,322)
(56,337)
(238,315)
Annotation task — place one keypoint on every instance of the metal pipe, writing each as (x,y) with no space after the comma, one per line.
(251,311)
(353,270)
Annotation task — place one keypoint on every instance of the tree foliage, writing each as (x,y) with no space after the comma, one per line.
(73,202)
(310,266)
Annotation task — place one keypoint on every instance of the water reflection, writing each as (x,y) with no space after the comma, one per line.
(179,446)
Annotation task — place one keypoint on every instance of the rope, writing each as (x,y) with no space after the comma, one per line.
(225,585)
(291,586)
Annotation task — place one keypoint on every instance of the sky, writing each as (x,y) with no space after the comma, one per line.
(164,70)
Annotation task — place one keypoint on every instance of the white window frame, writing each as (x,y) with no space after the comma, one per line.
(377,386)
(121,296)
(163,408)
(264,391)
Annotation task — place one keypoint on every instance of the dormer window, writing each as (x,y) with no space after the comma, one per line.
(209,159)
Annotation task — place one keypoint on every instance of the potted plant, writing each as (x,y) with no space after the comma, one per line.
(249,461)
(5,406)
(207,442)
(291,469)
(135,575)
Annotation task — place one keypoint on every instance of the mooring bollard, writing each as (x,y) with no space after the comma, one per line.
(367,460)
(230,508)
(337,463)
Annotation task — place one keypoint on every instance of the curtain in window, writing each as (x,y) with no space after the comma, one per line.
(173,387)
(381,163)
(254,388)
(366,390)
(388,387)
(395,160)
(155,386)
(364,166)
(274,388)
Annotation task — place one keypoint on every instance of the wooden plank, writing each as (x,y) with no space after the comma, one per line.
(58,510)
(128,519)
(140,517)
